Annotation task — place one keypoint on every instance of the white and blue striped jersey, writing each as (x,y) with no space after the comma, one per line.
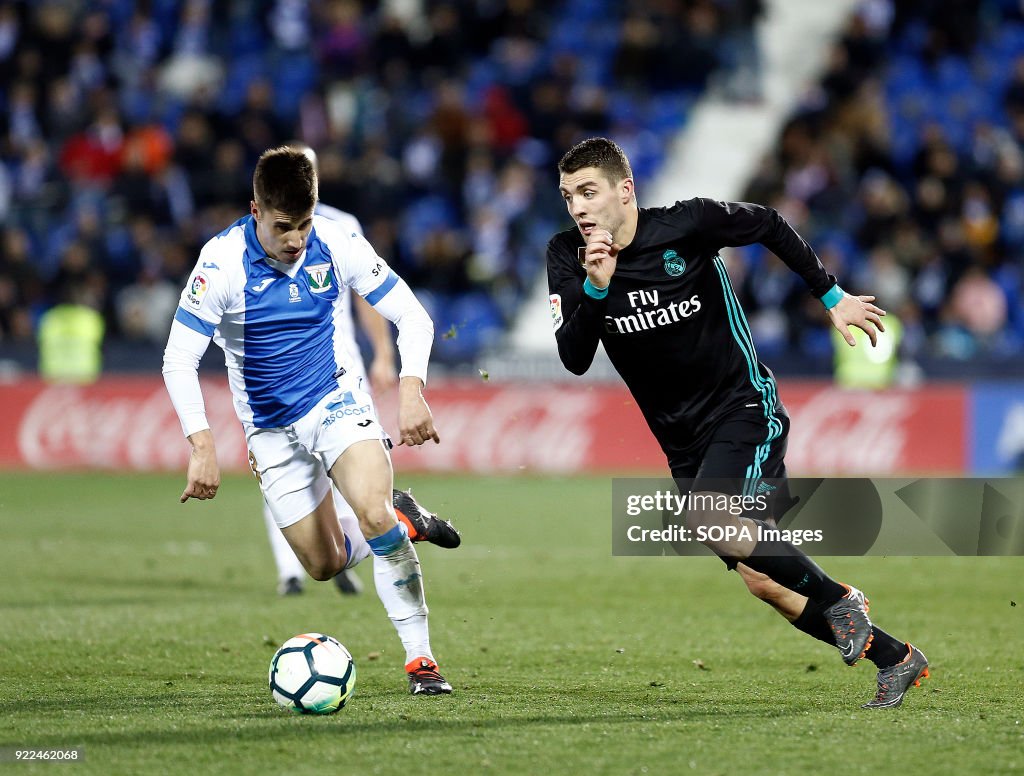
(279,325)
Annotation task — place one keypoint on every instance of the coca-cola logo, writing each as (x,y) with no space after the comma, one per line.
(505,429)
(133,428)
(843,432)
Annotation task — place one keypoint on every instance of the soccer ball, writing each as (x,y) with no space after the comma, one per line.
(312,674)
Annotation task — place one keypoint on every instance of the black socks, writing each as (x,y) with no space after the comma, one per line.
(791,568)
(812,622)
(885,651)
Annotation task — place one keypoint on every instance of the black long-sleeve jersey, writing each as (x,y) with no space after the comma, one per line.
(671,323)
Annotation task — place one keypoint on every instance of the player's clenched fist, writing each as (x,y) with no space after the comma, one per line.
(203,469)
(415,422)
(599,259)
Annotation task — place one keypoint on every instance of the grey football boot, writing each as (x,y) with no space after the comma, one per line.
(893,682)
(848,618)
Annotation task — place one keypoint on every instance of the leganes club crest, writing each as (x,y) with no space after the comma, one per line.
(319,277)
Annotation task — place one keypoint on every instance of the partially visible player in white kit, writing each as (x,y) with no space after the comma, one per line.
(266,290)
(421,524)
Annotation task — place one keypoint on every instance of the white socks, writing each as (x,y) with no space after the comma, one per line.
(399,583)
(396,574)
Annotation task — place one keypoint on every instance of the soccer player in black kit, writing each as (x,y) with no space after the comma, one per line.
(649,284)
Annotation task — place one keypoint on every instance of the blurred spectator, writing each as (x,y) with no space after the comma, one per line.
(146,307)
(71,338)
(93,156)
(21,288)
(742,49)
(974,316)
(342,41)
(638,52)
(866,366)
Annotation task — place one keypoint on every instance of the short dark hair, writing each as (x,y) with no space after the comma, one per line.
(599,152)
(285,181)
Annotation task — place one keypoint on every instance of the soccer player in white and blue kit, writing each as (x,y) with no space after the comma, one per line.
(266,290)
(421,524)
(290,571)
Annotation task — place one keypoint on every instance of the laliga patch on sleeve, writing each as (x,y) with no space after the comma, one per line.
(556,310)
(197,288)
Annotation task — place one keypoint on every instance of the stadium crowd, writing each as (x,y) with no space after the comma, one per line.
(129,130)
(904,167)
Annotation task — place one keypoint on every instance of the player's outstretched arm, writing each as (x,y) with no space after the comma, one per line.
(415,422)
(857,311)
(203,469)
(415,336)
(185,348)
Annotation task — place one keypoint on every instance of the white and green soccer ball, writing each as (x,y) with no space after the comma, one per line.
(312,674)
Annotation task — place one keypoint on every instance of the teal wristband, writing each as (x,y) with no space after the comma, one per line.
(593,291)
(832,297)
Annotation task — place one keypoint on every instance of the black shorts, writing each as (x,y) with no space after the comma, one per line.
(745,455)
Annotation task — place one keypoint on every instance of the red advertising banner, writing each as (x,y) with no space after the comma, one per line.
(128,424)
(547,427)
(123,423)
(894,432)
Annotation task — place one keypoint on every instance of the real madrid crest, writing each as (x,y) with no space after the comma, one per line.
(675,265)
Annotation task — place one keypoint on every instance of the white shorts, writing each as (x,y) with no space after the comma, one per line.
(292,462)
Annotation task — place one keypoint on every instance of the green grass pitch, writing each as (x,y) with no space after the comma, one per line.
(140,630)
